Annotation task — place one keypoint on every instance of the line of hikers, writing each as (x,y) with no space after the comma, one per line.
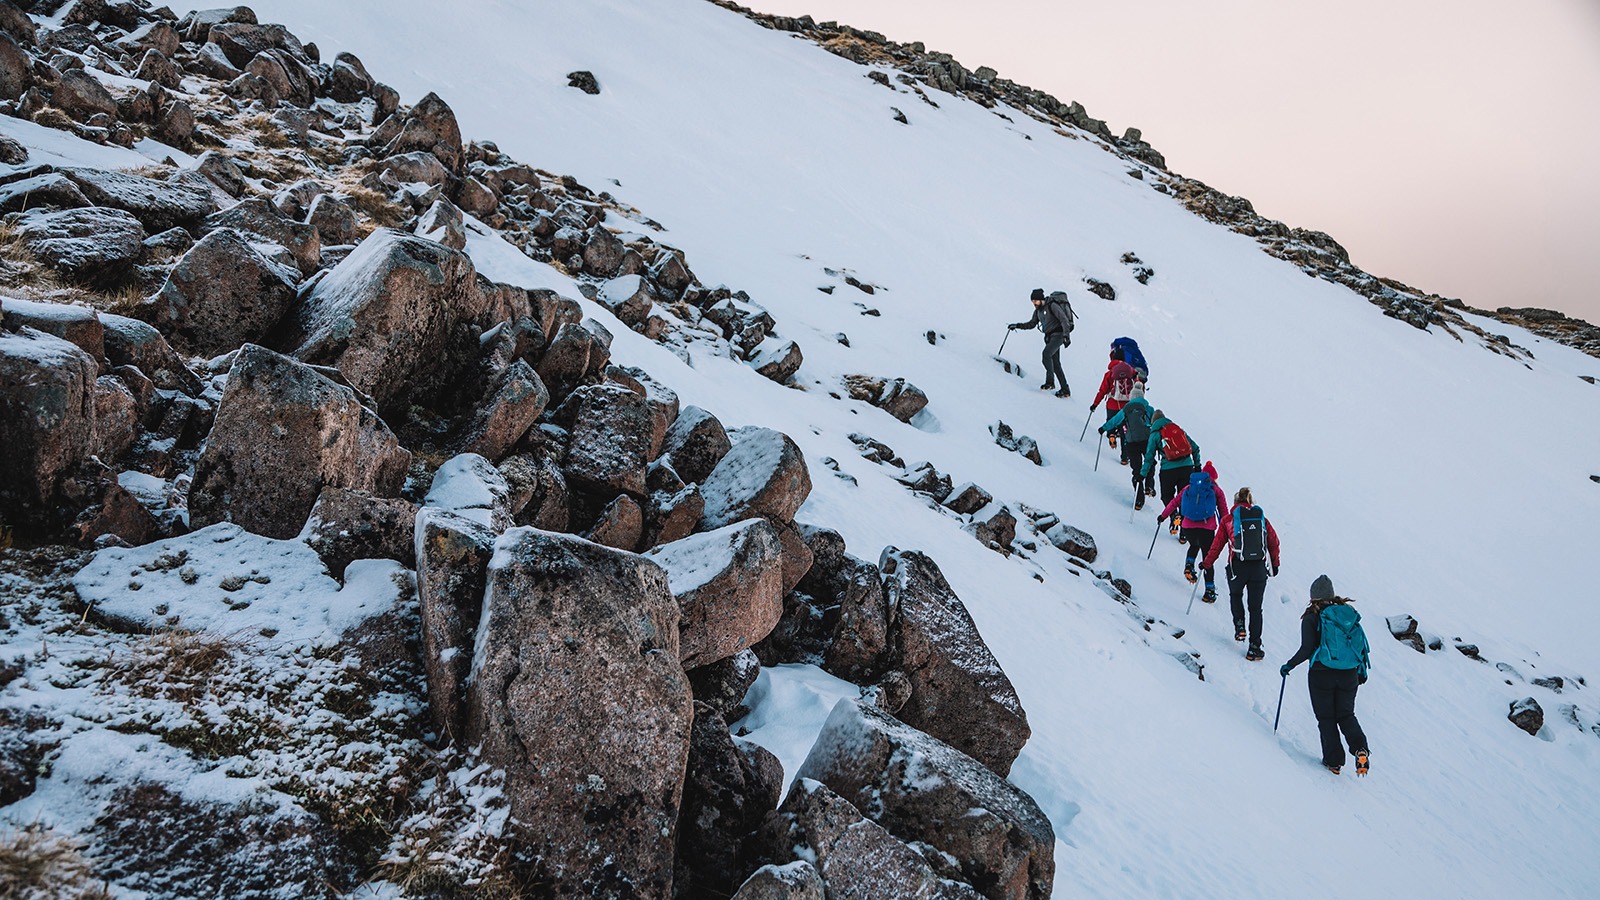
(1200,516)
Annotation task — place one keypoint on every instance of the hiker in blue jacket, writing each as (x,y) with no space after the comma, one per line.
(1332,638)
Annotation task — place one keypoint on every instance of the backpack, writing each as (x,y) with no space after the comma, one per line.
(1136,422)
(1056,301)
(1249,534)
(1122,382)
(1344,643)
(1130,353)
(1174,443)
(1199,500)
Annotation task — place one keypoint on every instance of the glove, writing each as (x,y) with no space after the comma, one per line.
(1160,519)
(1093,407)
(1285,669)
(1013,327)
(1362,680)
(1274,571)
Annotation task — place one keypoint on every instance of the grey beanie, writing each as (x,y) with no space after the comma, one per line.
(1322,588)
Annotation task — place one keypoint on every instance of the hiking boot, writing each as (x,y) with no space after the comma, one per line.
(1125,461)
(1239,632)
(1047,386)
(1138,501)
(1189,573)
(1210,596)
(1363,762)
(1064,392)
(1113,440)
(1172,528)
(1334,769)
(1254,653)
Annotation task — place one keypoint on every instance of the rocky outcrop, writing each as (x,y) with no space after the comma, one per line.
(729,588)
(283,432)
(222,294)
(47,408)
(610,440)
(897,397)
(584,637)
(347,525)
(430,126)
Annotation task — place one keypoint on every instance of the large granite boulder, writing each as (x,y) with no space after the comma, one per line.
(729,588)
(283,432)
(93,245)
(47,414)
(452,554)
(130,342)
(513,405)
(694,444)
(578,696)
(396,317)
(431,126)
(959,693)
(610,440)
(258,219)
(922,789)
(347,525)
(764,474)
(159,205)
(221,294)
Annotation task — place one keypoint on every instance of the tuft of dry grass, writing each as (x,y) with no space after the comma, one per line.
(51,117)
(36,863)
(380,210)
(174,664)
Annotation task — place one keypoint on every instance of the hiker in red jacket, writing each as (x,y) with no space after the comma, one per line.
(1199,513)
(1252,545)
(1116,388)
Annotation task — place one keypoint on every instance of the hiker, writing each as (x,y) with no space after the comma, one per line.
(1132,356)
(1116,388)
(1134,420)
(1055,317)
(1332,638)
(1252,545)
(1180,456)
(1198,506)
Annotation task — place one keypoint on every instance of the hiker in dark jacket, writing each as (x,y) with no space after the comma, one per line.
(1054,316)
(1176,467)
(1252,545)
(1338,668)
(1134,420)
(1199,513)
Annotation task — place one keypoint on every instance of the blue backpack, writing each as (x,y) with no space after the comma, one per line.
(1130,353)
(1199,500)
(1344,644)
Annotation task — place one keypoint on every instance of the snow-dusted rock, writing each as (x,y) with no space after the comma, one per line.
(959,693)
(431,126)
(452,554)
(577,350)
(77,325)
(221,294)
(671,516)
(283,432)
(347,525)
(443,222)
(159,205)
(155,66)
(968,498)
(47,410)
(610,440)
(512,407)
(392,317)
(795,881)
(49,191)
(723,684)
(258,219)
(779,361)
(333,219)
(620,524)
(729,586)
(694,444)
(1021,444)
(729,787)
(629,298)
(578,696)
(764,474)
(225,580)
(241,41)
(130,342)
(602,254)
(470,486)
(897,397)
(997,532)
(538,491)
(661,400)
(292,79)
(347,80)
(16,70)
(82,96)
(922,789)
(93,244)
(1527,715)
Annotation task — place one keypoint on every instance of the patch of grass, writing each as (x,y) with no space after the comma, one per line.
(377,208)
(51,117)
(173,665)
(36,863)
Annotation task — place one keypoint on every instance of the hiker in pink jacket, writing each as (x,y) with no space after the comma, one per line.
(1198,504)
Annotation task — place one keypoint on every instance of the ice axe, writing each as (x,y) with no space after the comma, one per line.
(1003,342)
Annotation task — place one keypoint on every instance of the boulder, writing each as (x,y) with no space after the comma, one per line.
(92,245)
(156,67)
(857,858)
(662,401)
(295,200)
(795,881)
(671,515)
(283,433)
(222,172)
(241,41)
(967,499)
(157,35)
(997,532)
(577,350)
(431,126)
(159,205)
(694,444)
(959,693)
(416,167)
(347,80)
(221,294)
(452,554)
(779,361)
(1527,715)
(395,317)
(922,789)
(925,479)
(577,695)
(1074,541)
(475,198)
(470,486)
(258,219)
(764,474)
(116,419)
(82,96)
(729,787)
(538,491)
(584,81)
(77,325)
(729,588)
(130,342)
(515,402)
(198,24)
(796,555)
(444,223)
(1404,630)
(620,524)
(862,645)
(723,684)
(292,80)
(16,69)
(1027,446)
(602,253)
(898,397)
(347,525)
(16,24)
(210,61)
(629,298)
(50,191)
(176,124)
(610,440)
(333,219)
(47,410)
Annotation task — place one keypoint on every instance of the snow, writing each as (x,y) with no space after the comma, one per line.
(58,148)
(695,560)
(471,486)
(1418,471)
(227,581)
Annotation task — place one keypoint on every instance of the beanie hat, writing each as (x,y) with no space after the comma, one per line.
(1158,414)
(1037,295)
(1138,391)
(1322,588)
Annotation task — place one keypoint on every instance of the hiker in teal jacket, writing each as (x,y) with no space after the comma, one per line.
(1174,472)
(1134,417)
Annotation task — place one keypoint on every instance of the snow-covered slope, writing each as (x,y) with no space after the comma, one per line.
(1425,475)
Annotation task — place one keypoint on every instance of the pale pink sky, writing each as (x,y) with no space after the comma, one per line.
(1452,145)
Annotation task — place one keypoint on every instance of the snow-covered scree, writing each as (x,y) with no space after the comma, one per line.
(1412,467)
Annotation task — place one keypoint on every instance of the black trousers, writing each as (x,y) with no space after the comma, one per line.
(1172,480)
(1333,700)
(1133,452)
(1247,577)
(1052,359)
(1199,541)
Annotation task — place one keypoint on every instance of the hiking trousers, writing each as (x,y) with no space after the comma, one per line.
(1247,577)
(1133,453)
(1199,541)
(1174,480)
(1333,700)
(1052,358)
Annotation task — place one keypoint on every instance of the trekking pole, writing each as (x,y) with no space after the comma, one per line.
(1191,598)
(1097,445)
(1279,714)
(1085,425)
(1153,539)
(1003,343)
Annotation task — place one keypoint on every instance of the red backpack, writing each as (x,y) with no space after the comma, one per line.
(1174,443)
(1122,378)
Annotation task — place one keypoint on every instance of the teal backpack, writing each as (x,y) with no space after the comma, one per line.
(1344,644)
